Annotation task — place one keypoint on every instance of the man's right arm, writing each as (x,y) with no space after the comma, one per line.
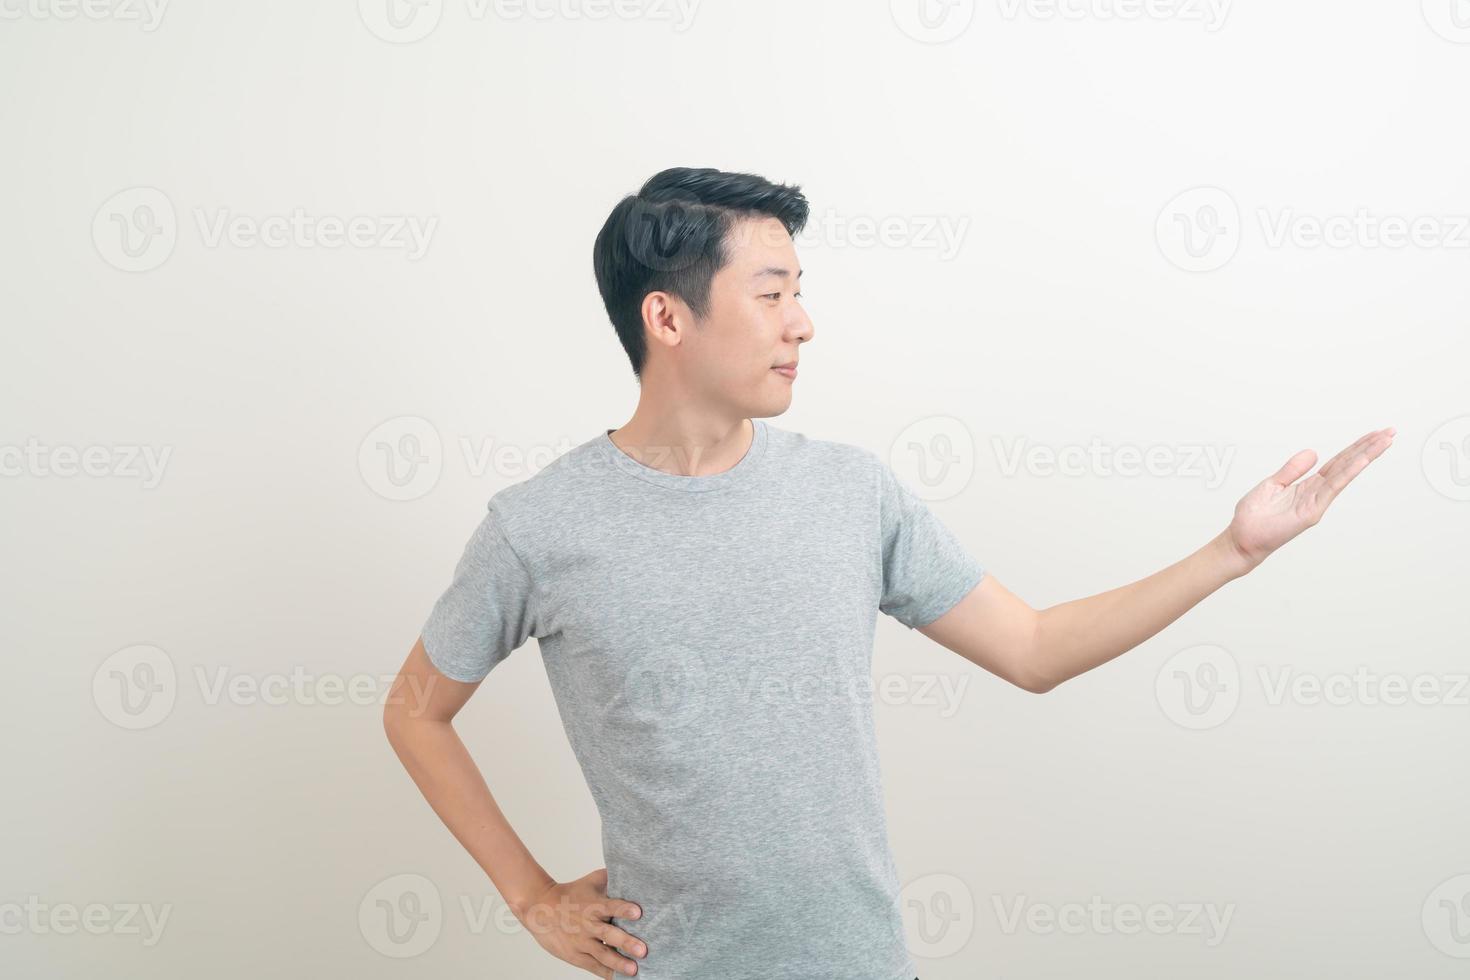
(569,920)
(418,720)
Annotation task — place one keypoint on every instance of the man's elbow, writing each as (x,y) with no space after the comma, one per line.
(1035,683)
(398,718)
(1032,673)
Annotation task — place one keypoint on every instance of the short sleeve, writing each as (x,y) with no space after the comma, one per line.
(926,570)
(487,611)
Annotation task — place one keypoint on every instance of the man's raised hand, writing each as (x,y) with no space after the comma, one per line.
(1279,508)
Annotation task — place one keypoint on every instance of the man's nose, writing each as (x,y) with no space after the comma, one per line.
(802,326)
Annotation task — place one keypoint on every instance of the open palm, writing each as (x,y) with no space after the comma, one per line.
(1278,508)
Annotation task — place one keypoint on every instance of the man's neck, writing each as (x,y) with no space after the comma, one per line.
(684,445)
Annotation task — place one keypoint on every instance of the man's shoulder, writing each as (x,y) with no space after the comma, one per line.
(821,452)
(554,489)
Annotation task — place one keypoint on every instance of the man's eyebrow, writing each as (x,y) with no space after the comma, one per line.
(776,270)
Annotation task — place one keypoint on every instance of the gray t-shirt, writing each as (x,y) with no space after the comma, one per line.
(708,641)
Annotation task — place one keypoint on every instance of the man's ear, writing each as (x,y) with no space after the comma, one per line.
(665,318)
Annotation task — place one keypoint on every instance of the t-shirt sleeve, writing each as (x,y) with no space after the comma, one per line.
(487,611)
(926,569)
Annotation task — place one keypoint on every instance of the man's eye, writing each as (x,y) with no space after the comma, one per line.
(774,295)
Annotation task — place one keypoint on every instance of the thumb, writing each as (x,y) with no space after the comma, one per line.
(1294,467)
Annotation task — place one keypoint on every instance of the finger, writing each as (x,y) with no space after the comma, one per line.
(588,962)
(1344,475)
(613,936)
(610,958)
(1294,468)
(615,907)
(1348,454)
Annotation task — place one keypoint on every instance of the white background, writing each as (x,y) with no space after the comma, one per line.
(277,548)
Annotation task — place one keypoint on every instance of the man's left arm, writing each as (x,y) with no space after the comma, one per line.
(1037,650)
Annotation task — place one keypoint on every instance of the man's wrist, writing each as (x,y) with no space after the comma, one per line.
(1231,561)
(520,901)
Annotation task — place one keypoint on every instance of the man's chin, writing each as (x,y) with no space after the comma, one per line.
(770,407)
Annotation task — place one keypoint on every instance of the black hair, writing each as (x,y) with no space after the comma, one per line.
(670,237)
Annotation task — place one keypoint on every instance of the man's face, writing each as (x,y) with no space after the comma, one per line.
(755,323)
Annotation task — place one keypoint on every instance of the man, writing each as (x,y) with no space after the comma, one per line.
(704,586)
